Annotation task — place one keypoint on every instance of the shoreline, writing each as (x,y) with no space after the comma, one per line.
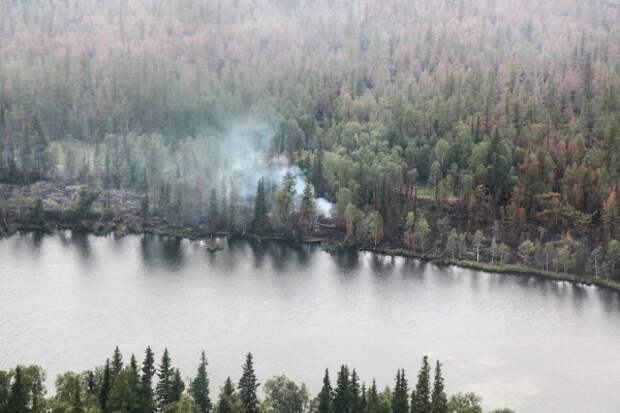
(193,233)
(509,269)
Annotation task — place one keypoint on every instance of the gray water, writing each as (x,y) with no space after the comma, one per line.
(67,300)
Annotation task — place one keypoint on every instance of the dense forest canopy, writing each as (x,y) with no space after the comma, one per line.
(504,114)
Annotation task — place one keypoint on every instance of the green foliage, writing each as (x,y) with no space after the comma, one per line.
(464,403)
(421,396)
(439,400)
(326,395)
(284,396)
(228,400)
(248,384)
(22,391)
(199,387)
(105,387)
(124,394)
(400,395)
(260,224)
(307,209)
(164,392)
(18,396)
(342,393)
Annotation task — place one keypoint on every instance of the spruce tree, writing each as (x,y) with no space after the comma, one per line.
(260,221)
(199,388)
(354,387)
(400,395)
(247,387)
(117,362)
(18,395)
(124,394)
(106,386)
(421,401)
(226,398)
(147,402)
(307,209)
(342,392)
(363,405)
(326,395)
(177,387)
(372,404)
(164,385)
(439,400)
(4,387)
(77,404)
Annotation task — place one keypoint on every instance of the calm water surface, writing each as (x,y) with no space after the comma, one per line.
(536,346)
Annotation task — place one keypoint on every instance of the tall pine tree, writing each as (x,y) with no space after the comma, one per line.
(248,385)
(177,387)
(372,403)
(227,397)
(439,400)
(106,386)
(326,395)
(400,395)
(342,394)
(117,363)
(147,401)
(163,391)
(355,403)
(199,388)
(260,222)
(18,395)
(421,399)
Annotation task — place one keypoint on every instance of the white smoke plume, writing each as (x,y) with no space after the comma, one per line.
(242,155)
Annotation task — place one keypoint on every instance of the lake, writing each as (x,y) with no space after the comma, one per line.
(66,300)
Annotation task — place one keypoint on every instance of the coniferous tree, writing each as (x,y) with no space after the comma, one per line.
(77,404)
(124,394)
(147,402)
(363,405)
(326,395)
(18,395)
(163,391)
(307,209)
(439,400)
(117,362)
(4,388)
(227,398)
(400,395)
(421,400)
(342,393)
(260,221)
(106,386)
(372,404)
(177,387)
(355,404)
(199,387)
(248,385)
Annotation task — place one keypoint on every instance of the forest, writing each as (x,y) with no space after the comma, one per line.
(119,387)
(486,131)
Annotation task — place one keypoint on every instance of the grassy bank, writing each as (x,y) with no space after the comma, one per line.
(502,268)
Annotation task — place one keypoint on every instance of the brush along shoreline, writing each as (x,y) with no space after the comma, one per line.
(331,243)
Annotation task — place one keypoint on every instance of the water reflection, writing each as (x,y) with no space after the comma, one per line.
(156,250)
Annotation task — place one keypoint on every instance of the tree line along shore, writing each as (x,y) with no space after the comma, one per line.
(75,208)
(118,386)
